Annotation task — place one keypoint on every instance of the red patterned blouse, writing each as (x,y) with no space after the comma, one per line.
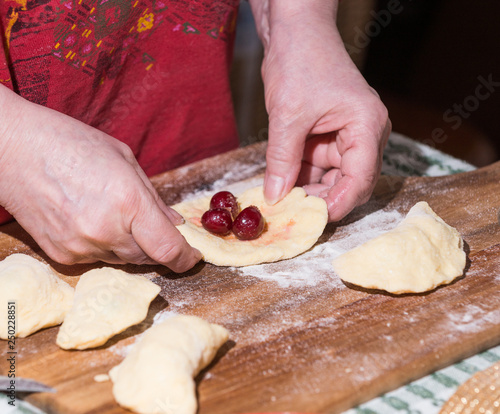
(151,73)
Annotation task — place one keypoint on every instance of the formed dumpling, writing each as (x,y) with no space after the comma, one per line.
(41,298)
(157,375)
(107,301)
(421,253)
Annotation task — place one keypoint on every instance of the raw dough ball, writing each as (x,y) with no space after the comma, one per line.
(293,226)
(157,376)
(107,301)
(422,252)
(42,299)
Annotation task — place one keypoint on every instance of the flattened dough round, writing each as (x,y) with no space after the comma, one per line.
(421,253)
(42,299)
(293,226)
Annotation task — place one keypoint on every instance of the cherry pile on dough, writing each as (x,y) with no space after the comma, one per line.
(247,225)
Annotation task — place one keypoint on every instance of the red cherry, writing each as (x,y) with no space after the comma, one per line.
(224,199)
(217,221)
(249,224)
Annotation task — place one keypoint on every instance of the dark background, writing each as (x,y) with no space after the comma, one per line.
(428,59)
(424,62)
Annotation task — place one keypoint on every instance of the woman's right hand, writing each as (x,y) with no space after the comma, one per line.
(80,193)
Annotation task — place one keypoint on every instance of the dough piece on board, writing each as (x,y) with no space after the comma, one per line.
(157,376)
(293,226)
(42,299)
(107,301)
(421,253)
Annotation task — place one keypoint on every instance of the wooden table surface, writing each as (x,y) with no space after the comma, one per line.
(315,346)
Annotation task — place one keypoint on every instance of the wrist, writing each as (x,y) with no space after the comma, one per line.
(276,15)
(295,11)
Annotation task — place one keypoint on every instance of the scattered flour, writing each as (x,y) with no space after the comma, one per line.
(315,266)
(471,318)
(228,183)
(307,269)
(163,316)
(123,350)
(223,184)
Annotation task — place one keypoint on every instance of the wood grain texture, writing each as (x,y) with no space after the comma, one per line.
(319,348)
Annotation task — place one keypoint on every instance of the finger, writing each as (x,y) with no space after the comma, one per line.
(172,215)
(316,189)
(119,249)
(161,241)
(322,152)
(327,181)
(358,175)
(130,252)
(331,178)
(309,174)
(86,254)
(107,240)
(347,194)
(284,157)
(106,257)
(175,218)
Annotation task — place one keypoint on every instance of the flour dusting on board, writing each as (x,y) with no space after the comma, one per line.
(163,316)
(123,350)
(315,265)
(223,184)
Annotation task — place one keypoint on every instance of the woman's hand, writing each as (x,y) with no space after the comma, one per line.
(327,126)
(80,193)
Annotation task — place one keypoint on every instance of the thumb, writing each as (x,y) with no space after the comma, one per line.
(284,159)
(161,241)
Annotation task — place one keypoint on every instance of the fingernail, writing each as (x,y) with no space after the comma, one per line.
(274,186)
(177,218)
(174,216)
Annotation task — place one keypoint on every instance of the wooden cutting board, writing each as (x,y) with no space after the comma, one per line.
(301,340)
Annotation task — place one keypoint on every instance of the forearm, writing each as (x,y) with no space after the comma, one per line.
(11,112)
(291,27)
(11,109)
(271,15)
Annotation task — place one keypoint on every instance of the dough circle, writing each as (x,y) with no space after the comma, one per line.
(42,299)
(293,226)
(421,253)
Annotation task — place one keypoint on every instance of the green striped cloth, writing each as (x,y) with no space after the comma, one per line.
(403,157)
(428,394)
